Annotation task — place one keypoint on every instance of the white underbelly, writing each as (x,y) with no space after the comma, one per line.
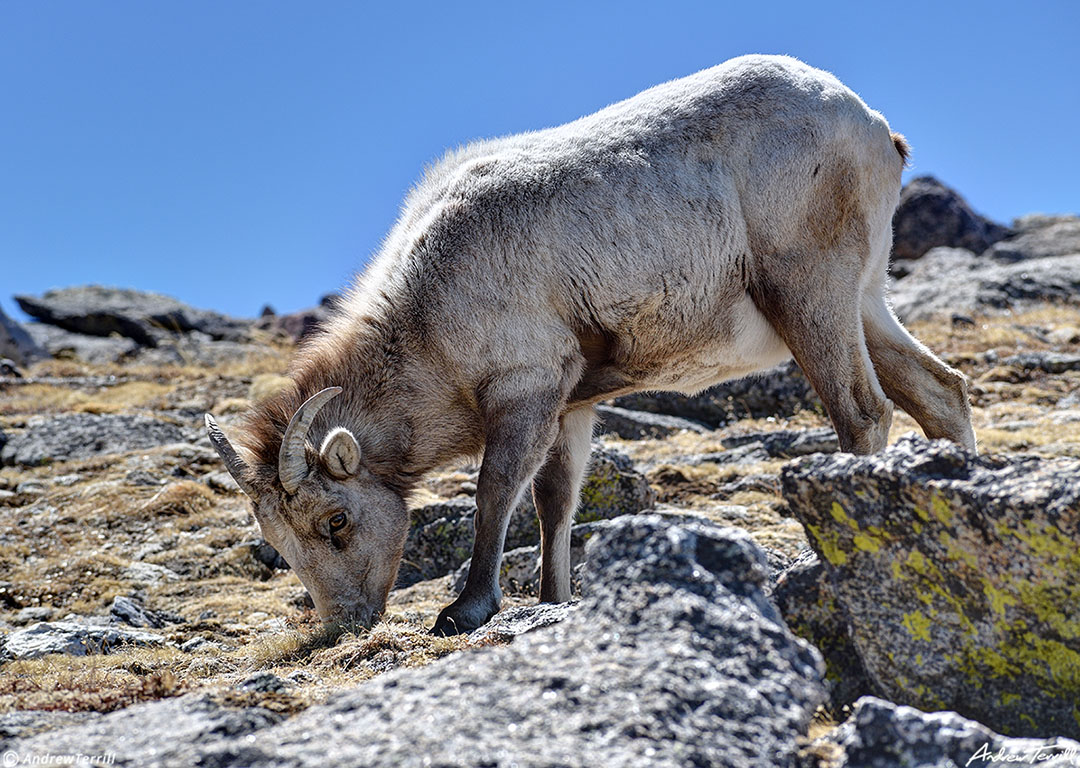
(754,346)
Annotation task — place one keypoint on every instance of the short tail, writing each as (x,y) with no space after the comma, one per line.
(902,148)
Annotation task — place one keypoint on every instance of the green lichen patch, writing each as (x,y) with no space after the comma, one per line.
(961,576)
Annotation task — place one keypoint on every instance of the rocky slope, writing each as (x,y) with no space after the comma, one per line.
(140,611)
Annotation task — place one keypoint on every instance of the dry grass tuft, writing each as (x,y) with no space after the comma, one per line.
(183,497)
(389,645)
(266,385)
(294,646)
(83,684)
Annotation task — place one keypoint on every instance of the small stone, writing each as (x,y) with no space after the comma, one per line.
(222,482)
(300,677)
(301,599)
(265,682)
(142,477)
(17,347)
(1050,362)
(759,483)
(265,553)
(9,595)
(32,488)
(148,573)
(199,644)
(789,443)
(132,613)
(32,614)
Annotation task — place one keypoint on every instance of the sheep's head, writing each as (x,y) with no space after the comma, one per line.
(336,524)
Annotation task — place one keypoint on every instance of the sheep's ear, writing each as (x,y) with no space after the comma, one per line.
(340,454)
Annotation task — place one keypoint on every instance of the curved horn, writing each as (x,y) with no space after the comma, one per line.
(292,461)
(237,467)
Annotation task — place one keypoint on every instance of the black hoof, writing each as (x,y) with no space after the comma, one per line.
(461,617)
(445,626)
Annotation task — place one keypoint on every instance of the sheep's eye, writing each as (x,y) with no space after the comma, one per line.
(337,522)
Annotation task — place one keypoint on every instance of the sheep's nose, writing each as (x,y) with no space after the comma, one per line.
(362,615)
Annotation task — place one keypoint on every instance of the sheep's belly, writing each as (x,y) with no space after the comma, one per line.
(754,346)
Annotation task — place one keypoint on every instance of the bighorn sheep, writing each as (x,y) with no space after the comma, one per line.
(702,230)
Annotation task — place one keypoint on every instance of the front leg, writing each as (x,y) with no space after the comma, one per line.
(519,432)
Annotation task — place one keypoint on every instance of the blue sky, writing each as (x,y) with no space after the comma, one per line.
(240,153)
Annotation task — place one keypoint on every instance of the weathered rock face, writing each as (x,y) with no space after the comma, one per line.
(947,281)
(519,571)
(883,735)
(931,214)
(17,344)
(441,538)
(99,350)
(1050,362)
(73,637)
(81,435)
(957,576)
(1041,263)
(1055,237)
(639,425)
(755,447)
(23,723)
(1031,221)
(517,621)
(811,612)
(167,728)
(96,310)
(788,443)
(779,391)
(676,658)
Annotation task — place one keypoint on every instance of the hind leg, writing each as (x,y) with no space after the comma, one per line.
(933,393)
(556,489)
(815,308)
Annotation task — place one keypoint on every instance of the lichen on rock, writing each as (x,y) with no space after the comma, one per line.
(958,575)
